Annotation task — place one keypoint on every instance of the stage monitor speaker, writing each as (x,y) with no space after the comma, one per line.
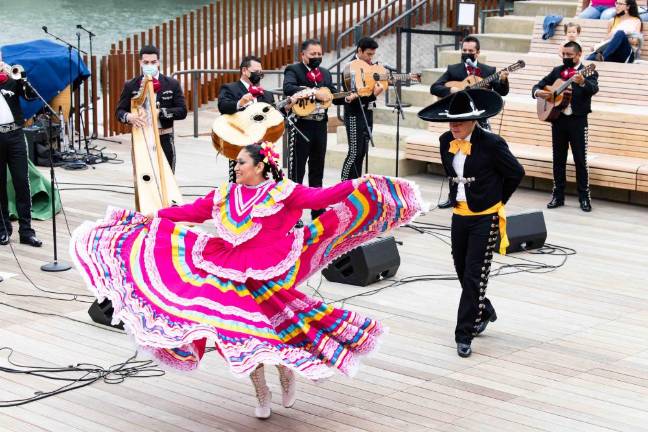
(101,313)
(365,264)
(525,231)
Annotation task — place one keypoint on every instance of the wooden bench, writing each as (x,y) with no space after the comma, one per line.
(592,32)
(617,150)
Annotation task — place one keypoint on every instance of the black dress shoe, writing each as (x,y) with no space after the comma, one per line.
(31,240)
(556,202)
(299,224)
(445,204)
(4,239)
(464,350)
(479,328)
(586,205)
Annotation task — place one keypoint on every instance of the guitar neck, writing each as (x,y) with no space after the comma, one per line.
(564,86)
(490,78)
(395,77)
(341,95)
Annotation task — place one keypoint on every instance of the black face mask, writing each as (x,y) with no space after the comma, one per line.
(569,62)
(314,62)
(466,56)
(256,77)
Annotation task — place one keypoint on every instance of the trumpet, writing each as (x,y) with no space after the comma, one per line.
(16,71)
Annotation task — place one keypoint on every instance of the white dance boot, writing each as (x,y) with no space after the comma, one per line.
(263,395)
(288,386)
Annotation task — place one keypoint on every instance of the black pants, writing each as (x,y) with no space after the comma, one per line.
(569,131)
(473,242)
(168,147)
(312,152)
(13,154)
(358,138)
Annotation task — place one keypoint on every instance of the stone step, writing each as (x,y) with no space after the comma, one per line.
(509,24)
(510,42)
(384,136)
(381,161)
(429,76)
(417,95)
(384,115)
(543,8)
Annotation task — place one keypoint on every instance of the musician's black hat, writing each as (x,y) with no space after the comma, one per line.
(465,105)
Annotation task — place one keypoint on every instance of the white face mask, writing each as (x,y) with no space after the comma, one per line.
(150,69)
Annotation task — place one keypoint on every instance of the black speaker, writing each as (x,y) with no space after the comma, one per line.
(525,231)
(365,264)
(101,313)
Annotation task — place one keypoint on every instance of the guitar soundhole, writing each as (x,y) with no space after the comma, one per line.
(146,178)
(258,117)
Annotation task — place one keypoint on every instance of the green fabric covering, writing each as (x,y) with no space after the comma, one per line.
(40,191)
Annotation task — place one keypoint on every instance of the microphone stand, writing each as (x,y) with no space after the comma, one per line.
(56,265)
(70,47)
(90,36)
(398,109)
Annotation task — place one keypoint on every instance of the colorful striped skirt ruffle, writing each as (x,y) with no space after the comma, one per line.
(173,309)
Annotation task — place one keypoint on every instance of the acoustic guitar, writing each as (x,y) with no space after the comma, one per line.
(361,77)
(473,81)
(561,95)
(257,122)
(306,106)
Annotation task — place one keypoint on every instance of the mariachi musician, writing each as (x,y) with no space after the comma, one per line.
(236,96)
(169,98)
(13,155)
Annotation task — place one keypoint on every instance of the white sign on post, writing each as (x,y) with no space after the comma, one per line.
(466,13)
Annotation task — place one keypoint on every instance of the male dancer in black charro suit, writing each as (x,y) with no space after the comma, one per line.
(13,155)
(458,72)
(570,128)
(308,74)
(235,96)
(483,175)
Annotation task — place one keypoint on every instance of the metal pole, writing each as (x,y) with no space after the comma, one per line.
(194,95)
(408,41)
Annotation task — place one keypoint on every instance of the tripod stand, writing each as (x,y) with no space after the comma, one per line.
(398,109)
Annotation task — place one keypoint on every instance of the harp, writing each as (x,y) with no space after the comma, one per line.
(155,185)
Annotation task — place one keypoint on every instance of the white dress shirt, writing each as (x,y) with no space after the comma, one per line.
(458,162)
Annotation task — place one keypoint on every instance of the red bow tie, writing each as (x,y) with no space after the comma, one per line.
(473,71)
(156,85)
(567,73)
(315,76)
(3,77)
(256,91)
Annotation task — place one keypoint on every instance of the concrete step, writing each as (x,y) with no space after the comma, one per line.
(381,161)
(429,76)
(384,136)
(384,115)
(417,95)
(509,24)
(543,8)
(510,42)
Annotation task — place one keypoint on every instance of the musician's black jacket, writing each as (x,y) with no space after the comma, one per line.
(229,95)
(496,171)
(169,97)
(457,72)
(581,102)
(12,90)
(295,80)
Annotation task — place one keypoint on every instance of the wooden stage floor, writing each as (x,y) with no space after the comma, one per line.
(568,353)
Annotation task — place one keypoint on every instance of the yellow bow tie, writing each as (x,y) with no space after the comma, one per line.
(462,145)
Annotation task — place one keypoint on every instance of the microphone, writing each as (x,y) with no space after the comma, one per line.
(352,83)
(471,63)
(389,68)
(44,29)
(79,26)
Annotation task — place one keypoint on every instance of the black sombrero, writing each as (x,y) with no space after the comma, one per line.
(465,105)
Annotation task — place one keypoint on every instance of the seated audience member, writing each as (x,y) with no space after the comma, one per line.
(624,38)
(597,9)
(572,34)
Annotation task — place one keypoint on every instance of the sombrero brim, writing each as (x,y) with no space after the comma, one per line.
(486,101)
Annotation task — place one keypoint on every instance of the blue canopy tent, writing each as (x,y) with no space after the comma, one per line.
(47,65)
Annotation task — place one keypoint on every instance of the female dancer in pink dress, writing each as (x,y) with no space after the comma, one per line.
(175,288)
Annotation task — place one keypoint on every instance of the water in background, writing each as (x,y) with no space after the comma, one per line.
(110,20)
